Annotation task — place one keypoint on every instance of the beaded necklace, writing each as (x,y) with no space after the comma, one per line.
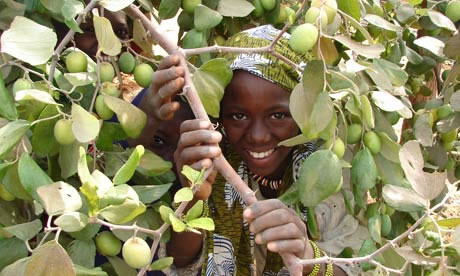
(271,183)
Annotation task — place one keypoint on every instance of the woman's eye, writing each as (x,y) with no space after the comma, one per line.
(158,141)
(238,116)
(278,116)
(122,33)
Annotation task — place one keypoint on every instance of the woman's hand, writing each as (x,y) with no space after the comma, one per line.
(279,227)
(198,145)
(167,82)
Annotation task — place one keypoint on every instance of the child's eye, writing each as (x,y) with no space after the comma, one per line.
(278,116)
(158,140)
(239,116)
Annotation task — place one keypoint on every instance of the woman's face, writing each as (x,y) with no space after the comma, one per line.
(255,115)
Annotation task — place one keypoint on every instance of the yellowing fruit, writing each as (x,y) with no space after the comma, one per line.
(63,132)
(339,148)
(109,88)
(303,38)
(108,244)
(313,14)
(136,252)
(143,74)
(76,62)
(329,5)
(106,72)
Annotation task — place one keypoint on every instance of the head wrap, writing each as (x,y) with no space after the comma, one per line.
(265,65)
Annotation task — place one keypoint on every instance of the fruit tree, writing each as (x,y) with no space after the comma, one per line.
(379,99)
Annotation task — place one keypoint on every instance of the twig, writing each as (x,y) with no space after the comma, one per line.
(98,84)
(45,119)
(117,72)
(153,233)
(67,38)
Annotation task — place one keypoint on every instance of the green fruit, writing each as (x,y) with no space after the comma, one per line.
(108,244)
(193,39)
(220,40)
(127,62)
(21,84)
(282,17)
(453,10)
(185,21)
(444,111)
(143,74)
(339,148)
(290,15)
(372,210)
(303,38)
(63,132)
(457,172)
(347,252)
(5,195)
(392,117)
(136,252)
(449,136)
(389,210)
(378,10)
(76,62)
(102,109)
(450,164)
(109,88)
(313,14)
(258,9)
(448,146)
(372,142)
(268,5)
(106,72)
(330,7)
(190,5)
(354,133)
(385,227)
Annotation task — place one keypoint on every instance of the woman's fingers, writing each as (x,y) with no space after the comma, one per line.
(169,61)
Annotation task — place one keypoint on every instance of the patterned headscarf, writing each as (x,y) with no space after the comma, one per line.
(265,65)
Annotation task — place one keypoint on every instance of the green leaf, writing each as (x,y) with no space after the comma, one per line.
(29,41)
(405,12)
(127,170)
(432,44)
(368,247)
(374,225)
(450,123)
(184,194)
(152,165)
(68,158)
(25,231)
(235,8)
(72,221)
(403,199)
(367,113)
(351,7)
(363,170)
(59,197)
(131,118)
(70,9)
(87,233)
(115,5)
(116,195)
(82,253)
(202,223)
(206,18)
(165,212)
(294,141)
(151,193)
(110,133)
(369,51)
(32,176)
(85,126)
(423,131)
(441,20)
(177,224)
(193,39)
(89,185)
(427,185)
(124,212)
(108,42)
(49,259)
(104,184)
(455,101)
(35,95)
(162,263)
(7,108)
(195,212)
(210,81)
(390,149)
(43,141)
(11,134)
(83,271)
(452,49)
(16,268)
(388,102)
(168,8)
(11,250)
(81,79)
(121,267)
(396,74)
(194,176)
(382,23)
(389,172)
(320,177)
(13,183)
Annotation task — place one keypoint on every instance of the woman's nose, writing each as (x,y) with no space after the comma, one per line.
(258,132)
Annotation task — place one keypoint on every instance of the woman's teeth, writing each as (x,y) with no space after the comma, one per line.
(260,155)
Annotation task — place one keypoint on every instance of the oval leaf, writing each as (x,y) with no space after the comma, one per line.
(32,176)
(85,126)
(72,221)
(59,197)
(25,231)
(403,199)
(49,259)
(184,194)
(202,223)
(108,42)
(11,134)
(131,118)
(369,51)
(235,8)
(127,170)
(206,18)
(432,44)
(35,95)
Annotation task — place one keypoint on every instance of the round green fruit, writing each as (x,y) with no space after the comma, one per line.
(21,84)
(102,109)
(190,5)
(127,62)
(444,111)
(354,133)
(303,38)
(108,244)
(63,132)
(106,72)
(372,142)
(313,14)
(268,5)
(143,74)
(136,252)
(282,17)
(339,148)
(109,88)
(392,117)
(385,228)
(372,210)
(453,10)
(258,9)
(220,40)
(5,195)
(290,15)
(449,136)
(329,5)
(76,62)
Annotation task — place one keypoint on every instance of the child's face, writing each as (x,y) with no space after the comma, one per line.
(87,41)
(256,117)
